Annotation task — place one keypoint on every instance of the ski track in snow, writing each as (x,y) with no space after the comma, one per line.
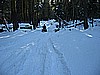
(13,61)
(63,68)
(25,56)
(13,58)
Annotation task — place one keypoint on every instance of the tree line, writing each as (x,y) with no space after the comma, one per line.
(33,11)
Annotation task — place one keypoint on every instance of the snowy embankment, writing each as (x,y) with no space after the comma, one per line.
(75,52)
(81,50)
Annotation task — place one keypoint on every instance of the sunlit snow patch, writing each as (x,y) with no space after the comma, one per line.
(5,36)
(89,35)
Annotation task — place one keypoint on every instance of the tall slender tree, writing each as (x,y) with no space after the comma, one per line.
(14,15)
(46,9)
(85,3)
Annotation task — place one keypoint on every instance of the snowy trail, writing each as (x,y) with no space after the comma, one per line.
(14,58)
(36,56)
(37,66)
(53,61)
(58,62)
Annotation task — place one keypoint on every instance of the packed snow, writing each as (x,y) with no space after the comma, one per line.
(75,52)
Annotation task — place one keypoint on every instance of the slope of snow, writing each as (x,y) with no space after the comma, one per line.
(81,51)
(65,52)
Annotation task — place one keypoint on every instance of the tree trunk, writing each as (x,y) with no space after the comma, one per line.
(85,15)
(46,9)
(14,15)
(30,10)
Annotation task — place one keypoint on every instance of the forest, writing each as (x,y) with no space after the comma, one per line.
(34,11)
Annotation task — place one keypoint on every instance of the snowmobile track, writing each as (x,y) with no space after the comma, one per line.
(61,58)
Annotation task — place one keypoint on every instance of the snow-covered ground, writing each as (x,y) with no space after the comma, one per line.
(75,52)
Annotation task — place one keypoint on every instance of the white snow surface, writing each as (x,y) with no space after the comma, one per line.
(75,52)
